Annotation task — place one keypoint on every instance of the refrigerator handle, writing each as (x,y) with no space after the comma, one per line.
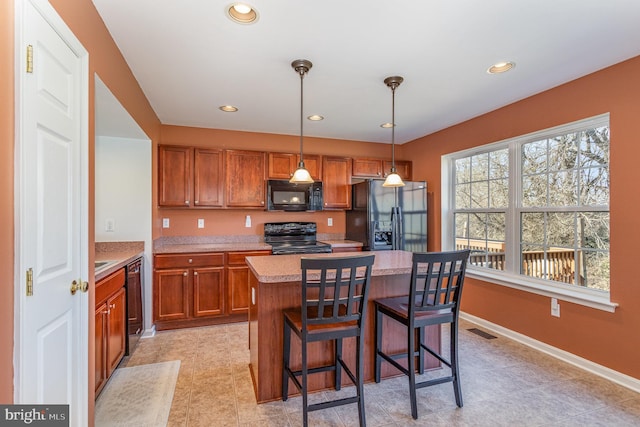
(396,228)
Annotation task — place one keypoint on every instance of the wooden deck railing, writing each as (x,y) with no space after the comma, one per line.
(559,265)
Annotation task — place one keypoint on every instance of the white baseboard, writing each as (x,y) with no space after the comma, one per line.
(589,366)
(149,333)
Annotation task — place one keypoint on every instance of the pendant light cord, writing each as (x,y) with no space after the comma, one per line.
(302,72)
(393,128)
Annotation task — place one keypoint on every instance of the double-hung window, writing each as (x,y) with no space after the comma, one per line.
(534,211)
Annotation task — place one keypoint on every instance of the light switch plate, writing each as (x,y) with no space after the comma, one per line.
(200,222)
(110,225)
(330,222)
(165,222)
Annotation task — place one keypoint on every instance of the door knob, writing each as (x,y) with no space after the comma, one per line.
(79,285)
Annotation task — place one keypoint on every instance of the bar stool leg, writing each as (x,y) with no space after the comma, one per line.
(378,343)
(419,341)
(305,402)
(338,357)
(411,366)
(285,361)
(455,368)
(360,385)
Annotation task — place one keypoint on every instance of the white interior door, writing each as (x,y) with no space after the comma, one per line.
(52,333)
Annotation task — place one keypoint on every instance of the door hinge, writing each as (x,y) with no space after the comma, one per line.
(30,282)
(29,59)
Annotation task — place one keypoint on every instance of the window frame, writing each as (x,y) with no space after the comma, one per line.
(587,297)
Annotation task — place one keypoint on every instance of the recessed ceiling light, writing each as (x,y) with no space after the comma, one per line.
(242,13)
(315,118)
(386,125)
(501,67)
(228,108)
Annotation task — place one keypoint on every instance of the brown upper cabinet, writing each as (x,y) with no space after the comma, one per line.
(336,182)
(283,165)
(379,168)
(190,177)
(368,168)
(403,167)
(174,172)
(245,175)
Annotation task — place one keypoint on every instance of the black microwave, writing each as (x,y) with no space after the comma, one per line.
(285,196)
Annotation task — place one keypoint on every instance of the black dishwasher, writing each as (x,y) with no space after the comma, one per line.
(134,303)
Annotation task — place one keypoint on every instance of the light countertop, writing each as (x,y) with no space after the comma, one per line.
(117,255)
(286,268)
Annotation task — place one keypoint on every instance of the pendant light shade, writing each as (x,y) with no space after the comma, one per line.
(301,175)
(393,179)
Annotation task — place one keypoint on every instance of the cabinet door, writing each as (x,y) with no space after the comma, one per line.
(238,281)
(367,168)
(174,176)
(116,329)
(336,177)
(313,163)
(403,167)
(208,178)
(208,291)
(100,347)
(245,173)
(171,294)
(281,165)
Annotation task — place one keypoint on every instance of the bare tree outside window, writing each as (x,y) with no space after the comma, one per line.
(561,214)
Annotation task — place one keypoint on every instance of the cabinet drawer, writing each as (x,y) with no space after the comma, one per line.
(110,284)
(188,260)
(237,258)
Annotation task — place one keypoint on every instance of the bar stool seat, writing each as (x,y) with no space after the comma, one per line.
(334,302)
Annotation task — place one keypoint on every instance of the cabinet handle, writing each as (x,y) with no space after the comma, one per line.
(184,274)
(105,312)
(190,260)
(262,202)
(196,202)
(186,202)
(112,306)
(195,273)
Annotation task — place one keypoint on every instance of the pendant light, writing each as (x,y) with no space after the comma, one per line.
(301,175)
(393,179)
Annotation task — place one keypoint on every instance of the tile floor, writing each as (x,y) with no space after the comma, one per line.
(504,383)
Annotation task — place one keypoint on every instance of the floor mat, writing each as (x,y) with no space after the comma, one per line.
(138,396)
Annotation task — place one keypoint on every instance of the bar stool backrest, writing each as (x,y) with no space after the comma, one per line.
(335,290)
(436,281)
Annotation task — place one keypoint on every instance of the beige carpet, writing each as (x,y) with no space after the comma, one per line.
(138,396)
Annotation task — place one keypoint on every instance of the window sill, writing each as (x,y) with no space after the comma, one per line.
(581,296)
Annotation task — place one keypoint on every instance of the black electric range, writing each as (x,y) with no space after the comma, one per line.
(293,238)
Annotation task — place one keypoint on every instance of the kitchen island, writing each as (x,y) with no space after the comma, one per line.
(275,285)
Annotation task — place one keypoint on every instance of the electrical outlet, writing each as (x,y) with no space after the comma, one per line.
(165,222)
(247,221)
(330,222)
(555,307)
(200,222)
(110,225)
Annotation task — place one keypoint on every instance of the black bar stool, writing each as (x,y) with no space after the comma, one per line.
(334,303)
(434,299)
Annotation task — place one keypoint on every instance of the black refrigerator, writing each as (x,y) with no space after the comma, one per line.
(386,218)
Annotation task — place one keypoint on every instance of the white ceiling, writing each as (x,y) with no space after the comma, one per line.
(190,58)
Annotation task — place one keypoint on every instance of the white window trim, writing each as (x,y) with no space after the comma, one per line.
(570,293)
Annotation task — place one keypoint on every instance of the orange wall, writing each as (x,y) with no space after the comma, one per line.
(609,339)
(231,222)
(6,200)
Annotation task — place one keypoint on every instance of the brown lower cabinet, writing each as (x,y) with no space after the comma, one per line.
(110,326)
(196,289)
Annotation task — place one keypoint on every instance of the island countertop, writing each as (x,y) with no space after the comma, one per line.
(286,268)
